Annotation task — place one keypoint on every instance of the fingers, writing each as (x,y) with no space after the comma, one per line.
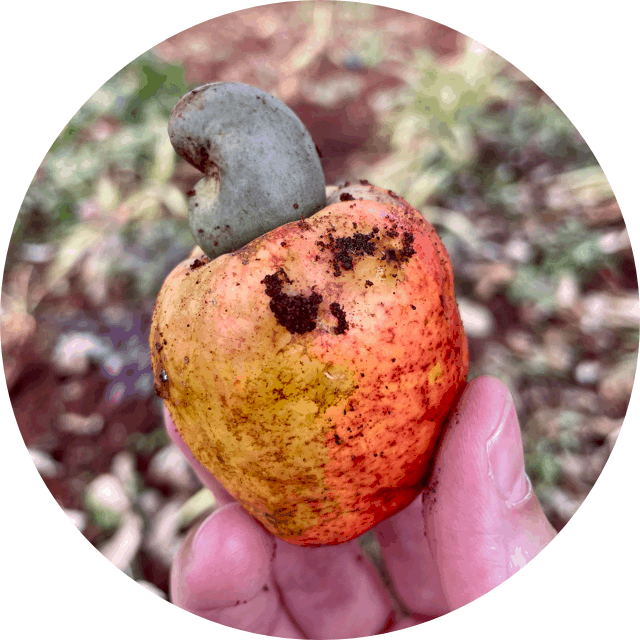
(482,520)
(412,567)
(331,592)
(223,573)
(479,521)
(405,623)
(227,559)
(231,571)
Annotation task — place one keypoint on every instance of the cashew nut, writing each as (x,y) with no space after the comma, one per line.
(261,165)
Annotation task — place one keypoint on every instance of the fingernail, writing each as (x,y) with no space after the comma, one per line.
(506,457)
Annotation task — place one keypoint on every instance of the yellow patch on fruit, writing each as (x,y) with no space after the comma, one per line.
(435,372)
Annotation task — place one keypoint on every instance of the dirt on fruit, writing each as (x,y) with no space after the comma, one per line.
(297,313)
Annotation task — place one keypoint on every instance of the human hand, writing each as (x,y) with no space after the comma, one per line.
(475,525)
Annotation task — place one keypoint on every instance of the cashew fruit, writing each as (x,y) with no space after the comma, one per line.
(312,370)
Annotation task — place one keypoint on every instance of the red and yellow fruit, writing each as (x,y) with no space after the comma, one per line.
(312,370)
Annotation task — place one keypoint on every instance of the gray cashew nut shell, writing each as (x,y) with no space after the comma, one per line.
(261,165)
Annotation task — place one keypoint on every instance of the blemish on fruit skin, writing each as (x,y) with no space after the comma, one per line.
(338,312)
(198,262)
(161,380)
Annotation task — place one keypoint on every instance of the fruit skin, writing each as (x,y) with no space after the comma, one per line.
(312,371)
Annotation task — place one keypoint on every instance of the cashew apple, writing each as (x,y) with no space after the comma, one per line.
(312,369)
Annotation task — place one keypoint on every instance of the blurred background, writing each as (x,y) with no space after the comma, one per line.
(545,276)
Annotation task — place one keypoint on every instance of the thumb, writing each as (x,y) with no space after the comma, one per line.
(482,518)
